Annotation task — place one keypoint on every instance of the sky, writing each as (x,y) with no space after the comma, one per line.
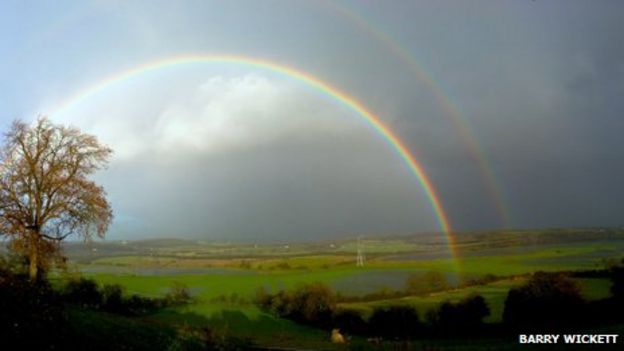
(512,108)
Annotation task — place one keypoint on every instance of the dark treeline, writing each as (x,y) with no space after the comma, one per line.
(111,298)
(547,302)
(79,314)
(553,301)
(36,315)
(317,305)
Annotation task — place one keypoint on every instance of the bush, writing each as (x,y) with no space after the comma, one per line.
(137,305)
(31,316)
(262,298)
(462,318)
(617,278)
(179,294)
(546,300)
(112,299)
(83,292)
(35,317)
(310,304)
(349,321)
(399,322)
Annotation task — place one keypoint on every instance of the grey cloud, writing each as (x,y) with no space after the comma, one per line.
(539,83)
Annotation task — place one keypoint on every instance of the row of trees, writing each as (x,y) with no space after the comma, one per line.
(546,302)
(67,315)
(553,301)
(316,304)
(36,315)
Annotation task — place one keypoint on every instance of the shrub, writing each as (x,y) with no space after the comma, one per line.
(313,304)
(137,305)
(546,300)
(178,294)
(399,322)
(84,292)
(349,321)
(31,316)
(262,298)
(112,299)
(462,318)
(617,278)
(310,304)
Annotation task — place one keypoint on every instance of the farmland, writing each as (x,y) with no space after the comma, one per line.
(224,277)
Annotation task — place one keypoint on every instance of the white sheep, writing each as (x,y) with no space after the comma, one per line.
(336,337)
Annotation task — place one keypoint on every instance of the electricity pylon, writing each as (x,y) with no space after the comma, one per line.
(359,262)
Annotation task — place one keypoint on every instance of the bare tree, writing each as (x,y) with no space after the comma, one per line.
(45,195)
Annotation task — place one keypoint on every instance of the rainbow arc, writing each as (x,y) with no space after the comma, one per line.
(325,88)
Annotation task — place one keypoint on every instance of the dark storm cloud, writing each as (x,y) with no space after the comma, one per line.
(302,191)
(538,83)
(544,99)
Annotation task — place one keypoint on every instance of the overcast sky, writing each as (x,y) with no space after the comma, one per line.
(236,151)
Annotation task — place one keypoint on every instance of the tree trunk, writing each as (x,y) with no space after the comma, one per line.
(33,256)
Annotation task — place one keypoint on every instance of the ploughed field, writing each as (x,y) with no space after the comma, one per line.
(223,277)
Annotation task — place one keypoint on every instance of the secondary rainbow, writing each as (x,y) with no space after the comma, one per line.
(373,120)
(442,99)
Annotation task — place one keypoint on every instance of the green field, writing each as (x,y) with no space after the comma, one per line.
(223,278)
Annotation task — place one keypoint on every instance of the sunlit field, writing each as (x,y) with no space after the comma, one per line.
(223,278)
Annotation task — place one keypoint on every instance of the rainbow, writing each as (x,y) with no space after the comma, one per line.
(442,100)
(374,121)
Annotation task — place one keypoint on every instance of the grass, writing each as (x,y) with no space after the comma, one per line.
(121,333)
(246,321)
(213,280)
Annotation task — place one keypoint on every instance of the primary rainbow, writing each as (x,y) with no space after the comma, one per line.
(442,99)
(374,121)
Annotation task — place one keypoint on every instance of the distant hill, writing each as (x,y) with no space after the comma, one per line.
(464,242)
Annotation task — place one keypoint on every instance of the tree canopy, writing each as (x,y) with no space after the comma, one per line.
(45,193)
